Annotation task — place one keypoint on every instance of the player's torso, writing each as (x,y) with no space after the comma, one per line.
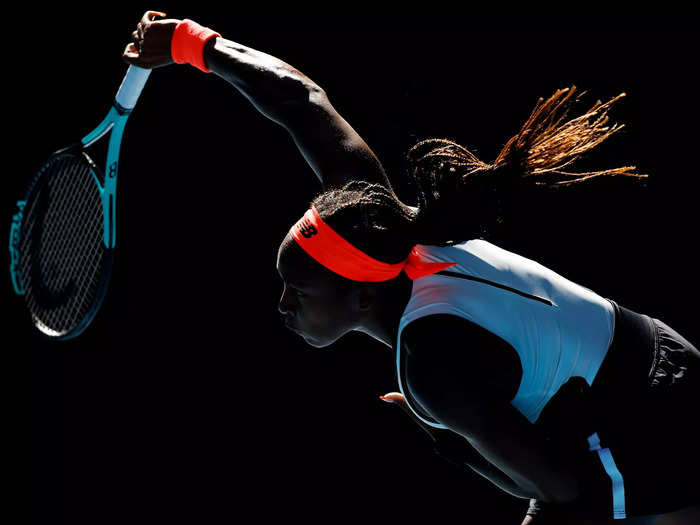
(560,330)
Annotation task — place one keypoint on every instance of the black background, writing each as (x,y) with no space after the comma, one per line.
(186,400)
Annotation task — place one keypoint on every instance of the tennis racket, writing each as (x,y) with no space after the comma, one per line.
(63,234)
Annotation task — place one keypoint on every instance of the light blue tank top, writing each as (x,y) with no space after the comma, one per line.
(558,328)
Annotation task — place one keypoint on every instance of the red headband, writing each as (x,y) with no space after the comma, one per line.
(322,243)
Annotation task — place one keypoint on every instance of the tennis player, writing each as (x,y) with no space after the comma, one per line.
(552,392)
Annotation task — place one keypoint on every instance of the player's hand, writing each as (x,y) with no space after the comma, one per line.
(150,42)
(397,399)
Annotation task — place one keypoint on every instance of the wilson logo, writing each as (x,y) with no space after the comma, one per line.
(307,230)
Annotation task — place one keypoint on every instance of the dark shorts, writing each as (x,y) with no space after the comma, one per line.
(639,418)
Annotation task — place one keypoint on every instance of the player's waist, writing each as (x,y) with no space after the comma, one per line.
(630,355)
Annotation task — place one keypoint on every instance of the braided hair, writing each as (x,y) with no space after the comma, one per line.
(461,197)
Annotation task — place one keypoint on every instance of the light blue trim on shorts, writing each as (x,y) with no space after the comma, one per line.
(618,484)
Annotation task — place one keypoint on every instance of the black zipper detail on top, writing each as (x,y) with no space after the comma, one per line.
(491,283)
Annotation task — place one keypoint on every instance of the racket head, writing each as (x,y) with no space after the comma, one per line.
(62,261)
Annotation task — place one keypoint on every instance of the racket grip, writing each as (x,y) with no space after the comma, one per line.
(132,85)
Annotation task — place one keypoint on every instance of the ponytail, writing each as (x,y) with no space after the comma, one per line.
(544,146)
(452,182)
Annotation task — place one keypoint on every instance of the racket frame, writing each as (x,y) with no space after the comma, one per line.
(115,121)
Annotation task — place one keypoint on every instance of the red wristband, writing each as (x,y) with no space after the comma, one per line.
(187,45)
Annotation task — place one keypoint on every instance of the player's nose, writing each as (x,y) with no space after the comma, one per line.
(284,305)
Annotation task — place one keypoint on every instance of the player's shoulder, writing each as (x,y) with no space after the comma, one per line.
(450,348)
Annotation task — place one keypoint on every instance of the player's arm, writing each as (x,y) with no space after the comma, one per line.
(473,403)
(333,149)
(458,451)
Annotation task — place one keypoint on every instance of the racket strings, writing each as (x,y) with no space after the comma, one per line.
(62,254)
(81,227)
(62,235)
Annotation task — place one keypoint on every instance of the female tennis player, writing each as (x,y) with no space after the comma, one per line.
(550,391)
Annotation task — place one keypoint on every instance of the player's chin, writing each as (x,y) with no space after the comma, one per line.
(311,341)
(317,342)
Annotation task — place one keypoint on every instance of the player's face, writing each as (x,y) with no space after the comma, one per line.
(315,303)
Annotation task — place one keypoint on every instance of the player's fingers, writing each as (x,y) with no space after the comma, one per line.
(131,54)
(146,22)
(136,39)
(394,397)
(397,399)
(150,15)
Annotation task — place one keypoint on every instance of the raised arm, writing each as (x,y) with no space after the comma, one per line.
(333,149)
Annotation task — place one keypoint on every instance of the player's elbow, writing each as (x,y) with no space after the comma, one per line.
(295,88)
(300,104)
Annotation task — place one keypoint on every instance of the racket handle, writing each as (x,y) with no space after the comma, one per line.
(132,85)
